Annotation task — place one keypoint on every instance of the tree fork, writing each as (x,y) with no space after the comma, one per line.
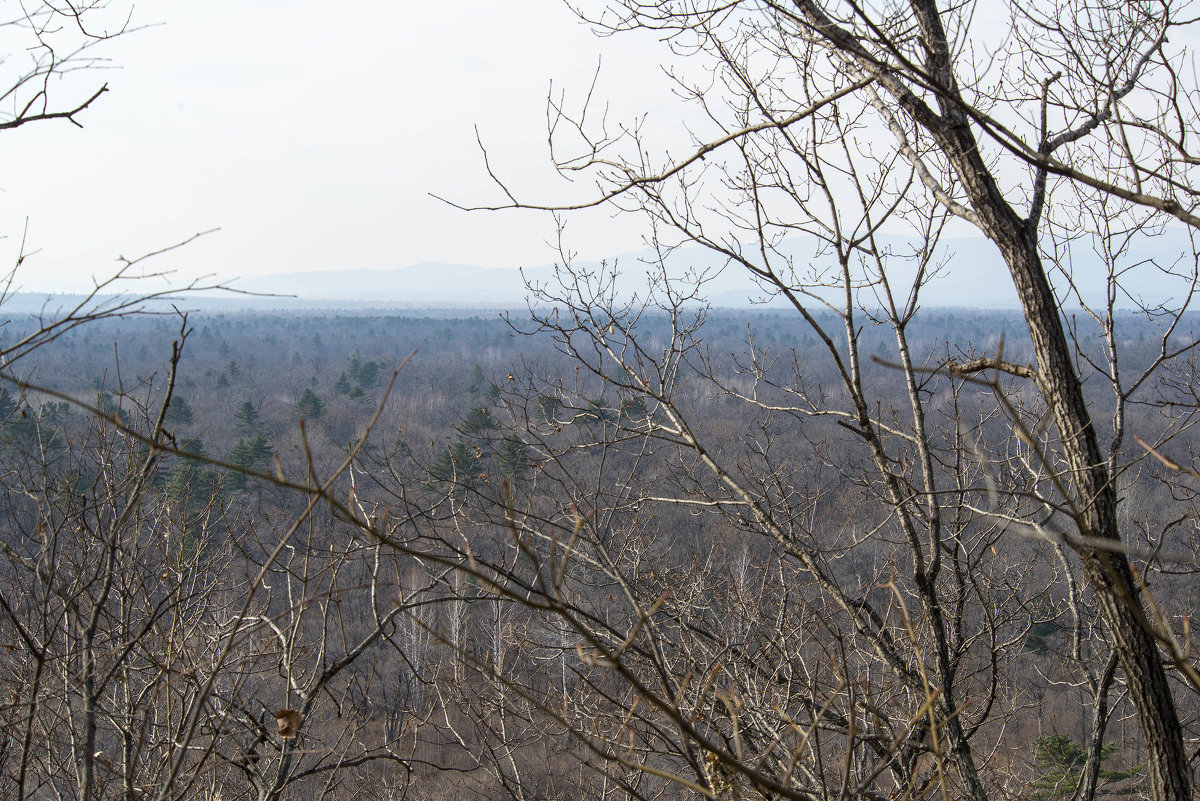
(1107,573)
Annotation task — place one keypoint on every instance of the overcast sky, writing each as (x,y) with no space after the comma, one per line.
(311,134)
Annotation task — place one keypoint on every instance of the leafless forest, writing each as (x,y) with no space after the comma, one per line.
(628,546)
(471,605)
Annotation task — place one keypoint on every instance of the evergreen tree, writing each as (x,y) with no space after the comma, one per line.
(481,390)
(179,412)
(634,409)
(109,407)
(1059,762)
(368,375)
(8,404)
(595,413)
(456,463)
(310,407)
(365,374)
(249,454)
(342,387)
(400,449)
(477,422)
(546,408)
(194,446)
(476,381)
(193,486)
(31,430)
(513,457)
(247,424)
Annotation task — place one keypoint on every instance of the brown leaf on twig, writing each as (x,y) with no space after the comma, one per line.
(289,721)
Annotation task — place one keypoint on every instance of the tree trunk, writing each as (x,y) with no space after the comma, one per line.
(1108,573)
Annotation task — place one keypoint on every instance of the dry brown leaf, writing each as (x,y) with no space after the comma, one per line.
(289,721)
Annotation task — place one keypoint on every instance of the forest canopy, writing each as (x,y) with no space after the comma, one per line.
(637,546)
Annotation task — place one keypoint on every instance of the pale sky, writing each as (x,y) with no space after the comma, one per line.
(311,134)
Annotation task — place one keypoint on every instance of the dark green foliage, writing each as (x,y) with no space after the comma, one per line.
(546,408)
(194,446)
(595,413)
(1038,639)
(1059,762)
(477,380)
(179,412)
(54,413)
(456,463)
(8,404)
(365,374)
(109,407)
(478,422)
(1042,627)
(246,423)
(480,389)
(342,387)
(28,429)
(193,487)
(513,457)
(253,453)
(401,450)
(357,392)
(310,407)
(249,454)
(634,409)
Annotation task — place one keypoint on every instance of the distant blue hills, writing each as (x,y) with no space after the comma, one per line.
(964,273)
(968,272)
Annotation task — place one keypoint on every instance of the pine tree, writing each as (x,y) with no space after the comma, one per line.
(249,454)
(8,404)
(310,407)
(595,413)
(247,424)
(109,407)
(179,412)
(478,421)
(193,486)
(456,463)
(546,408)
(513,457)
(1060,760)
(481,390)
(477,381)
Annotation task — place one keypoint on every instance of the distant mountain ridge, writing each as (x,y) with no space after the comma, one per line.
(970,274)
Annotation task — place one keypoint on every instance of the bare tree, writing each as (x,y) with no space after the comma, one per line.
(50,75)
(1060,132)
(157,640)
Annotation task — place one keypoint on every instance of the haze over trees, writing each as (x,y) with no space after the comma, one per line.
(631,546)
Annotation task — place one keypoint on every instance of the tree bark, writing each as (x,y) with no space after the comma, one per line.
(1108,573)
